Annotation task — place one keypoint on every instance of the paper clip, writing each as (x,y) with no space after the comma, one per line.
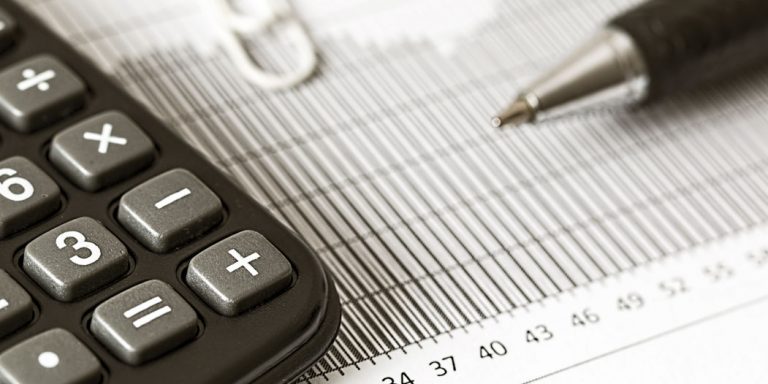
(268,14)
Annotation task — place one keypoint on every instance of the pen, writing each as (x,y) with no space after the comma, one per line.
(650,51)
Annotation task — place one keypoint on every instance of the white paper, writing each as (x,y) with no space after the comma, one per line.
(444,233)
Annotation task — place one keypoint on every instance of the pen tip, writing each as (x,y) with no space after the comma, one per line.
(517,113)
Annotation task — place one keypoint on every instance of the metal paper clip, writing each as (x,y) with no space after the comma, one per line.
(269,13)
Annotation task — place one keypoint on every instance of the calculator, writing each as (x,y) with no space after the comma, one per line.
(126,256)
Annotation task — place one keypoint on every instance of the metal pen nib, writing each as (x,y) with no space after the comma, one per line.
(607,69)
(517,113)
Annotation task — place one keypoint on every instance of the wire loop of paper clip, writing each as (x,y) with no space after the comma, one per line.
(268,14)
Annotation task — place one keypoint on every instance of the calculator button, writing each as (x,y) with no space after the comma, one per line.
(7,29)
(27,195)
(239,272)
(75,258)
(52,357)
(144,322)
(15,305)
(101,151)
(169,210)
(37,92)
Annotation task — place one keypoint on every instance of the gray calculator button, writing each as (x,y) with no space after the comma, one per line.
(7,29)
(27,195)
(52,357)
(15,305)
(169,210)
(239,272)
(101,151)
(75,258)
(144,322)
(38,91)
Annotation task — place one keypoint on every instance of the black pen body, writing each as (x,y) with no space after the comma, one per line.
(686,43)
(657,48)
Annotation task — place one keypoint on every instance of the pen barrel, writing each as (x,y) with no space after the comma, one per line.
(689,42)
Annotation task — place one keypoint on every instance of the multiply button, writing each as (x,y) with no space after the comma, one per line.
(38,91)
(52,357)
(101,151)
(27,195)
(169,210)
(75,258)
(144,322)
(15,305)
(239,273)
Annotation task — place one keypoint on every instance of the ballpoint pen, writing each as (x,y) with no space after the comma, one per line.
(650,51)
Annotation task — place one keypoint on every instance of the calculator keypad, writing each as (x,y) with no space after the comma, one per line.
(27,195)
(52,357)
(75,259)
(239,272)
(16,308)
(105,237)
(170,210)
(38,91)
(144,322)
(101,151)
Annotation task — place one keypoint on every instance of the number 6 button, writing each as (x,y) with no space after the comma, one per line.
(75,259)
(27,195)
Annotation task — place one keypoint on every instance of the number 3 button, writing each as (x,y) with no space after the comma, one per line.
(75,258)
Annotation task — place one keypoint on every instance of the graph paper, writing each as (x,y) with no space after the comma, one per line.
(430,220)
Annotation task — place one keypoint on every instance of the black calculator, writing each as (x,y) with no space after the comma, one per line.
(126,256)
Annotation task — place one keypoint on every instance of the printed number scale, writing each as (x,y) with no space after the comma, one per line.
(127,257)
